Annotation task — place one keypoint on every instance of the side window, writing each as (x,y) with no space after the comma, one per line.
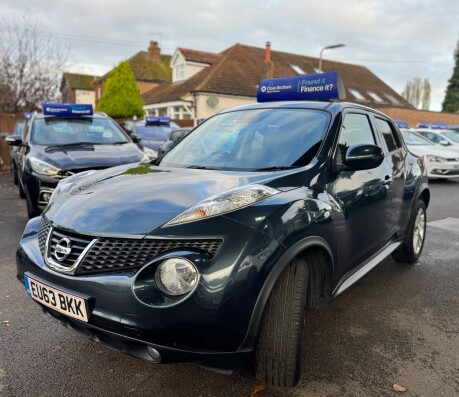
(356,129)
(388,134)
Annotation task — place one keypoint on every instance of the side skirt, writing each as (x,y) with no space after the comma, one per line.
(364,268)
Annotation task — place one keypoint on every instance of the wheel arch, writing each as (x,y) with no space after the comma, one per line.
(319,283)
(424,195)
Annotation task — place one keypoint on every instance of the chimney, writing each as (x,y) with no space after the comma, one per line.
(268,52)
(154,51)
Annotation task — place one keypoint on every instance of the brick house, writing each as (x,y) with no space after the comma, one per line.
(150,69)
(77,88)
(204,83)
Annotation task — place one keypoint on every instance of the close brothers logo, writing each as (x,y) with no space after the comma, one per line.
(263,88)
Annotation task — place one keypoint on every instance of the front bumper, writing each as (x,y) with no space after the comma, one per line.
(443,170)
(208,328)
(40,188)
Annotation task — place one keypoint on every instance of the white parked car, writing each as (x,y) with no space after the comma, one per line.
(448,138)
(440,162)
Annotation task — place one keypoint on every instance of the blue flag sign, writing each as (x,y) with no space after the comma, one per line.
(439,126)
(322,86)
(65,109)
(149,120)
(401,123)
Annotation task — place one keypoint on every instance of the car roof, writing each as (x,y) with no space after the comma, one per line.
(333,107)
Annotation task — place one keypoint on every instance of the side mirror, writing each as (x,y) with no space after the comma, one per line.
(444,142)
(127,127)
(363,157)
(14,140)
(135,137)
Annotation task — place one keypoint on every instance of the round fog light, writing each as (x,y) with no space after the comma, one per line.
(176,276)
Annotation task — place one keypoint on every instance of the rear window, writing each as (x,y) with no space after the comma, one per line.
(154,132)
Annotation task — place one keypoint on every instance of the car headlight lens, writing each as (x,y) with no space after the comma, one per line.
(152,154)
(226,202)
(176,276)
(436,159)
(40,167)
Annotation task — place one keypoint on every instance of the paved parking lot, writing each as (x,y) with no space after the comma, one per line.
(400,324)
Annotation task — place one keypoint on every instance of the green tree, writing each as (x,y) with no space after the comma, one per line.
(451,101)
(121,96)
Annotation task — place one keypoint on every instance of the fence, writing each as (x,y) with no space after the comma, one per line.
(7,123)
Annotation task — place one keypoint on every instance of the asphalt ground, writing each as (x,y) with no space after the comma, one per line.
(397,325)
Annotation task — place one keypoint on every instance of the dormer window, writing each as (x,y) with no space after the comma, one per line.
(180,72)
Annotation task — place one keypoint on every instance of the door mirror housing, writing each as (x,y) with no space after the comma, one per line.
(14,140)
(444,142)
(363,157)
(135,137)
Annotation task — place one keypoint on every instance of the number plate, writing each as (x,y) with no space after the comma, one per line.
(62,302)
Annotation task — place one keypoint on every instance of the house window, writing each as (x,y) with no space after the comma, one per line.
(391,98)
(357,95)
(297,69)
(180,72)
(375,97)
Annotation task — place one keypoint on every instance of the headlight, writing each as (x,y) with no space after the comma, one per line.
(176,276)
(436,159)
(226,202)
(40,167)
(152,154)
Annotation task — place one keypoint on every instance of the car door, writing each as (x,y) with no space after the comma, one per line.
(362,226)
(395,156)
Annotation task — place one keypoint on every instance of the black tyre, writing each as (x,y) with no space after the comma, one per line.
(278,358)
(14,171)
(32,210)
(21,191)
(413,243)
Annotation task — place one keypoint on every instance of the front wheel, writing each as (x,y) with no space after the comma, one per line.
(278,358)
(14,171)
(413,243)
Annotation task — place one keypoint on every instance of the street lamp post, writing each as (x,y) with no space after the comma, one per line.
(329,47)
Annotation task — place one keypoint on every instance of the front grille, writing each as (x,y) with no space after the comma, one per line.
(43,234)
(453,160)
(109,254)
(78,244)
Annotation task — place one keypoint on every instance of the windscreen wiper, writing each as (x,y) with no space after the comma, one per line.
(119,142)
(73,144)
(200,167)
(276,168)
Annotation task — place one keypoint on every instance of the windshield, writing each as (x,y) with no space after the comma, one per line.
(453,135)
(414,139)
(252,140)
(64,131)
(154,132)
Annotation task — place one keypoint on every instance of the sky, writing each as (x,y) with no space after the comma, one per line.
(396,39)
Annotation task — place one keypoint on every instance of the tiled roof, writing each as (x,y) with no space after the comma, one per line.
(199,56)
(79,81)
(240,69)
(145,69)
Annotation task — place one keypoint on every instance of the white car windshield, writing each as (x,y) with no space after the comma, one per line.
(452,135)
(412,138)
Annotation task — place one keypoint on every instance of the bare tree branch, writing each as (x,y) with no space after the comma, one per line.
(31,66)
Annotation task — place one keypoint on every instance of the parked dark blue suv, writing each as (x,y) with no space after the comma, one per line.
(212,253)
(59,143)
